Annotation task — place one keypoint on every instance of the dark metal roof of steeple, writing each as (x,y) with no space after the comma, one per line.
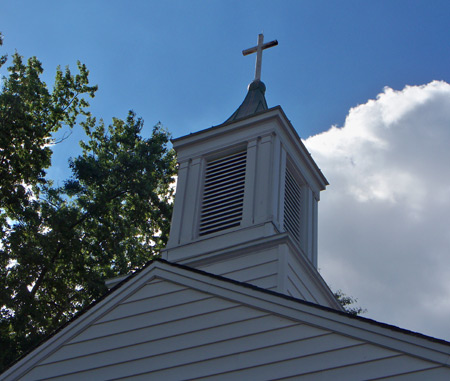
(253,103)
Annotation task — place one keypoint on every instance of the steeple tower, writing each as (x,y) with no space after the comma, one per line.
(246,200)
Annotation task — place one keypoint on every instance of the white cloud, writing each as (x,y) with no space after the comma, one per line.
(385,219)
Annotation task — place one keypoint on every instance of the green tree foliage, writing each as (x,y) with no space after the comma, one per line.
(347,302)
(59,244)
(29,114)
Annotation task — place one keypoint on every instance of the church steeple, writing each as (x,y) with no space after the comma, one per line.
(246,200)
(255,100)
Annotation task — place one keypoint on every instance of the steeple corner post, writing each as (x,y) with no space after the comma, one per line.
(248,211)
(187,202)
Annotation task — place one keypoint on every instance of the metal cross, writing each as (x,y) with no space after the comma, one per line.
(258,49)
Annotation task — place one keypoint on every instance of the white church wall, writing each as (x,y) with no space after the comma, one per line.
(300,279)
(300,285)
(166,330)
(257,268)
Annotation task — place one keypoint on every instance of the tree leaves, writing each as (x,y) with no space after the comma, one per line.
(348,303)
(59,244)
(29,114)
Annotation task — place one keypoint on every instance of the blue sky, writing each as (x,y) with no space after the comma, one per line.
(384,220)
(180,62)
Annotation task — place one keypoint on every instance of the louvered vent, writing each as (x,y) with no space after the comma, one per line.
(292,205)
(223,194)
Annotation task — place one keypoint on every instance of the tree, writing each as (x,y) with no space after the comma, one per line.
(29,115)
(347,301)
(59,244)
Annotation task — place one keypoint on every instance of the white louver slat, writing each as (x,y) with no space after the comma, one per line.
(292,205)
(223,193)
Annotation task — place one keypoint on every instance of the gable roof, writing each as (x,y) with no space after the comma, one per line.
(196,282)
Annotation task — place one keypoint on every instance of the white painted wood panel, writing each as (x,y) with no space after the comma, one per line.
(172,328)
(438,373)
(253,272)
(214,338)
(271,362)
(241,262)
(368,370)
(304,283)
(155,317)
(154,303)
(154,288)
(293,290)
(296,288)
(255,349)
(259,269)
(305,363)
(267,283)
(157,350)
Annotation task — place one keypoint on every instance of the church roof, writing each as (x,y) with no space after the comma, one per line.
(253,103)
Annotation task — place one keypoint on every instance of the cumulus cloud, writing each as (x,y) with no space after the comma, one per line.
(385,219)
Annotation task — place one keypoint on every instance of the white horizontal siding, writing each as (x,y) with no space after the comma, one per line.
(254,272)
(154,288)
(267,282)
(168,332)
(171,328)
(198,361)
(301,283)
(367,370)
(267,363)
(155,316)
(154,303)
(259,269)
(437,373)
(177,349)
(295,287)
(237,263)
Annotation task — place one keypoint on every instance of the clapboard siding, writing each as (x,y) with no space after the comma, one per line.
(370,370)
(255,272)
(293,290)
(259,269)
(154,303)
(240,262)
(437,373)
(155,288)
(179,349)
(155,332)
(155,317)
(267,282)
(304,284)
(216,357)
(364,362)
(166,331)
(270,362)
(296,286)
(303,364)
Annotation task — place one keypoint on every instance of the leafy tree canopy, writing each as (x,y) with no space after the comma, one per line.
(59,244)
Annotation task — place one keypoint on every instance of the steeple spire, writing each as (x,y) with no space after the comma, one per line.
(255,100)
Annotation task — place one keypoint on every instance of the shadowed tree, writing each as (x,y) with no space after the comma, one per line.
(348,303)
(59,244)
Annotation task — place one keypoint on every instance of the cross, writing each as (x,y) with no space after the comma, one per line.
(258,49)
